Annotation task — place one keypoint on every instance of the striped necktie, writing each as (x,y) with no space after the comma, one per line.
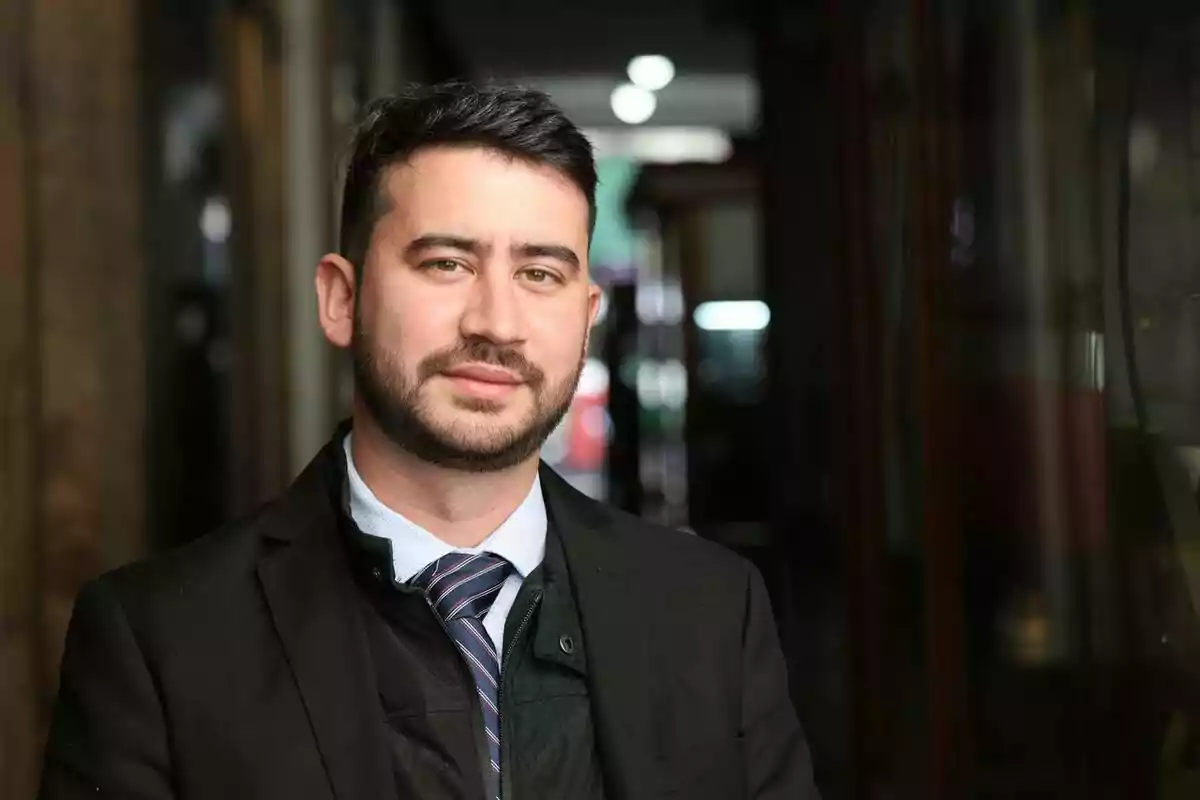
(461,588)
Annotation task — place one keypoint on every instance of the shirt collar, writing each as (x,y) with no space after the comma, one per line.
(521,539)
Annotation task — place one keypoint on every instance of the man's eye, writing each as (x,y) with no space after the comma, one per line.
(540,275)
(442,265)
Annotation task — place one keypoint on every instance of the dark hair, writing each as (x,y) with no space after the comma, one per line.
(522,123)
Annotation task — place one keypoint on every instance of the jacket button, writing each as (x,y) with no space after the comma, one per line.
(377,573)
(566,644)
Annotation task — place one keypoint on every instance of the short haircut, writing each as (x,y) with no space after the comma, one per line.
(521,123)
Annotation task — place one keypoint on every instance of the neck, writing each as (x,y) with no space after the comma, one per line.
(460,508)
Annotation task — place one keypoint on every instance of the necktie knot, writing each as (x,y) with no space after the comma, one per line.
(463,585)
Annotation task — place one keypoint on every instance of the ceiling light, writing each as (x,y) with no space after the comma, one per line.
(632,104)
(651,72)
(654,144)
(734,315)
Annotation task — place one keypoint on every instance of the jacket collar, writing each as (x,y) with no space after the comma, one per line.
(308,587)
(557,635)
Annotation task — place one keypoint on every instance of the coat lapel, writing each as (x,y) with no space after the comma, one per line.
(309,589)
(616,638)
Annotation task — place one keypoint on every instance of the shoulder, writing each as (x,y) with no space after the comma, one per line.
(219,570)
(671,558)
(680,548)
(169,587)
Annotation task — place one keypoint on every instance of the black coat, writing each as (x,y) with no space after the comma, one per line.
(236,667)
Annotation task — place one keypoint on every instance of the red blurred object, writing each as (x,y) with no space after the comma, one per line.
(587,432)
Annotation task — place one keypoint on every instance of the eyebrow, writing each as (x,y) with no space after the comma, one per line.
(556,251)
(433,240)
(475,247)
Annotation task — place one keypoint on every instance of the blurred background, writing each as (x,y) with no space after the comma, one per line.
(902,302)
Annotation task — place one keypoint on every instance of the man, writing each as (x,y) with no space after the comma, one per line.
(429,612)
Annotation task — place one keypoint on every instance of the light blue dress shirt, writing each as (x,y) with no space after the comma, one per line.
(521,539)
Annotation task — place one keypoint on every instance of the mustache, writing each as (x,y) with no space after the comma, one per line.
(481,351)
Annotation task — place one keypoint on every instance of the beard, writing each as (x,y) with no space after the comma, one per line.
(396,405)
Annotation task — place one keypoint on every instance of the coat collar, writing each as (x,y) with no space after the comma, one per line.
(309,589)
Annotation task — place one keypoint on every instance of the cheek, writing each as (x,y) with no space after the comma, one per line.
(562,343)
(413,326)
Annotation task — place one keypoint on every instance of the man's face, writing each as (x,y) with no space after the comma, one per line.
(471,323)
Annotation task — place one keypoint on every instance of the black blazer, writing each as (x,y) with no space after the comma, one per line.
(235,668)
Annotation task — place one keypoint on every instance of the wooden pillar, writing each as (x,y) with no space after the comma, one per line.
(936,162)
(798,148)
(71,391)
(800,227)
(309,215)
(859,386)
(252,51)
(19,634)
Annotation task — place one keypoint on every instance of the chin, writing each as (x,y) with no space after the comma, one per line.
(483,446)
(481,432)
(492,412)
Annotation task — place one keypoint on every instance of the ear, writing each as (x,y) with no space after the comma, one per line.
(336,288)
(594,298)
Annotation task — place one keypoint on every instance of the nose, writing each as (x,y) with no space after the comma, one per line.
(493,312)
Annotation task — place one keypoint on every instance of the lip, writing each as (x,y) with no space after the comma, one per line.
(485,373)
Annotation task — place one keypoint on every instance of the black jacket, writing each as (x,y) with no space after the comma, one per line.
(238,667)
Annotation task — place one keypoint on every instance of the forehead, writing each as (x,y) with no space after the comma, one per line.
(483,193)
